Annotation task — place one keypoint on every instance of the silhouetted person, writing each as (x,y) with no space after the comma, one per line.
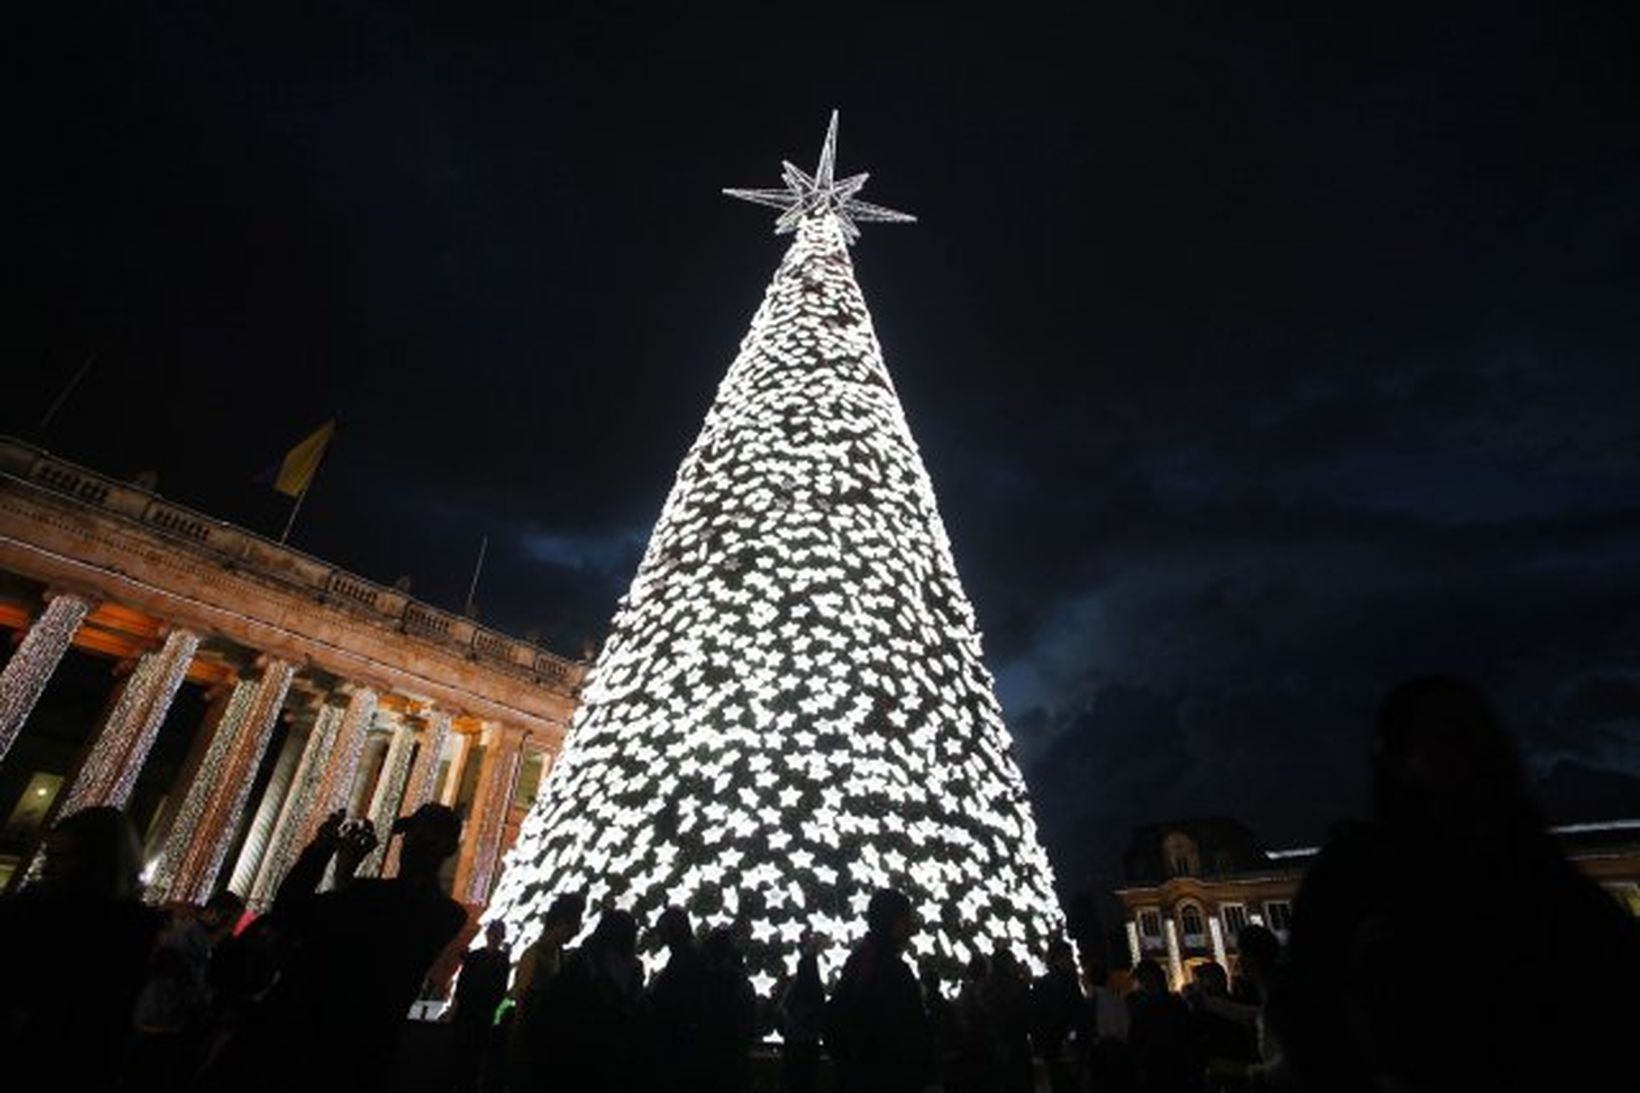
(1456,854)
(675,1006)
(531,1021)
(976,1034)
(354,962)
(1224,1028)
(594,1010)
(479,990)
(1059,1017)
(875,1025)
(74,952)
(942,1023)
(246,965)
(1263,986)
(1008,997)
(1110,1059)
(173,1016)
(728,1013)
(802,1012)
(1161,1034)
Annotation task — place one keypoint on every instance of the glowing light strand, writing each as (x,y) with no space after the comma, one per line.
(121,747)
(185,823)
(423,776)
(336,787)
(221,819)
(791,708)
(35,659)
(384,804)
(298,805)
(504,754)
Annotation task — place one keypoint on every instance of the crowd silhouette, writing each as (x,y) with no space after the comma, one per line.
(109,993)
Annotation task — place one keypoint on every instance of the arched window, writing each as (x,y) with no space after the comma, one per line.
(1190,920)
(1183,860)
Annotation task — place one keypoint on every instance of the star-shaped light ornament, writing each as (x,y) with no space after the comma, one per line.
(821,192)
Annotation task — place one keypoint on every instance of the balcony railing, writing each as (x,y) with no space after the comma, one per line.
(252,553)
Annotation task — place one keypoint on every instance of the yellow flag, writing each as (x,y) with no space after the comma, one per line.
(302,461)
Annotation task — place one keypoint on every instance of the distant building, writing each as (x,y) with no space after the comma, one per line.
(227,691)
(1191,885)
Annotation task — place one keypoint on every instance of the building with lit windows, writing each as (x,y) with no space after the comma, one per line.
(1191,885)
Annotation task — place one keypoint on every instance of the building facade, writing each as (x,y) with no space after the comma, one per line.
(229,692)
(1191,885)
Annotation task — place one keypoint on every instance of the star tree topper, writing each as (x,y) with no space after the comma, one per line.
(821,192)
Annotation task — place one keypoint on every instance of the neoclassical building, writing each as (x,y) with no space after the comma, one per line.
(229,691)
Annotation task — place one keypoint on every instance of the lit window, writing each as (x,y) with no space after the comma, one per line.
(1234,916)
(1150,924)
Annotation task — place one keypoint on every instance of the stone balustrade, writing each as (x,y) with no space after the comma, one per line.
(254,554)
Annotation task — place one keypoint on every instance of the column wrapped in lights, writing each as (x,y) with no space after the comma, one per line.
(389,792)
(231,785)
(421,782)
(336,784)
(166,868)
(111,768)
(264,822)
(503,752)
(299,802)
(792,708)
(35,659)
(424,774)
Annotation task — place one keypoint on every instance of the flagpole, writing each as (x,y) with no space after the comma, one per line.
(472,589)
(57,404)
(296,508)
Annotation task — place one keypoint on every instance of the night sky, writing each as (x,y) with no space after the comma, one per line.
(1259,360)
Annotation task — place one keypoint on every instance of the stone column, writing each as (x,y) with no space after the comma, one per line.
(424,774)
(1175,965)
(209,816)
(1217,932)
(335,785)
(35,659)
(372,761)
(451,791)
(1134,949)
(298,805)
(419,786)
(384,803)
(503,747)
(110,769)
(260,836)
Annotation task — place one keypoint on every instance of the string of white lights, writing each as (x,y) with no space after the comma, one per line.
(424,775)
(384,804)
(121,747)
(164,870)
(33,662)
(299,801)
(233,787)
(502,774)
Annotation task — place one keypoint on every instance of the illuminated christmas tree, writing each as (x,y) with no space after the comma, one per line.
(791,708)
